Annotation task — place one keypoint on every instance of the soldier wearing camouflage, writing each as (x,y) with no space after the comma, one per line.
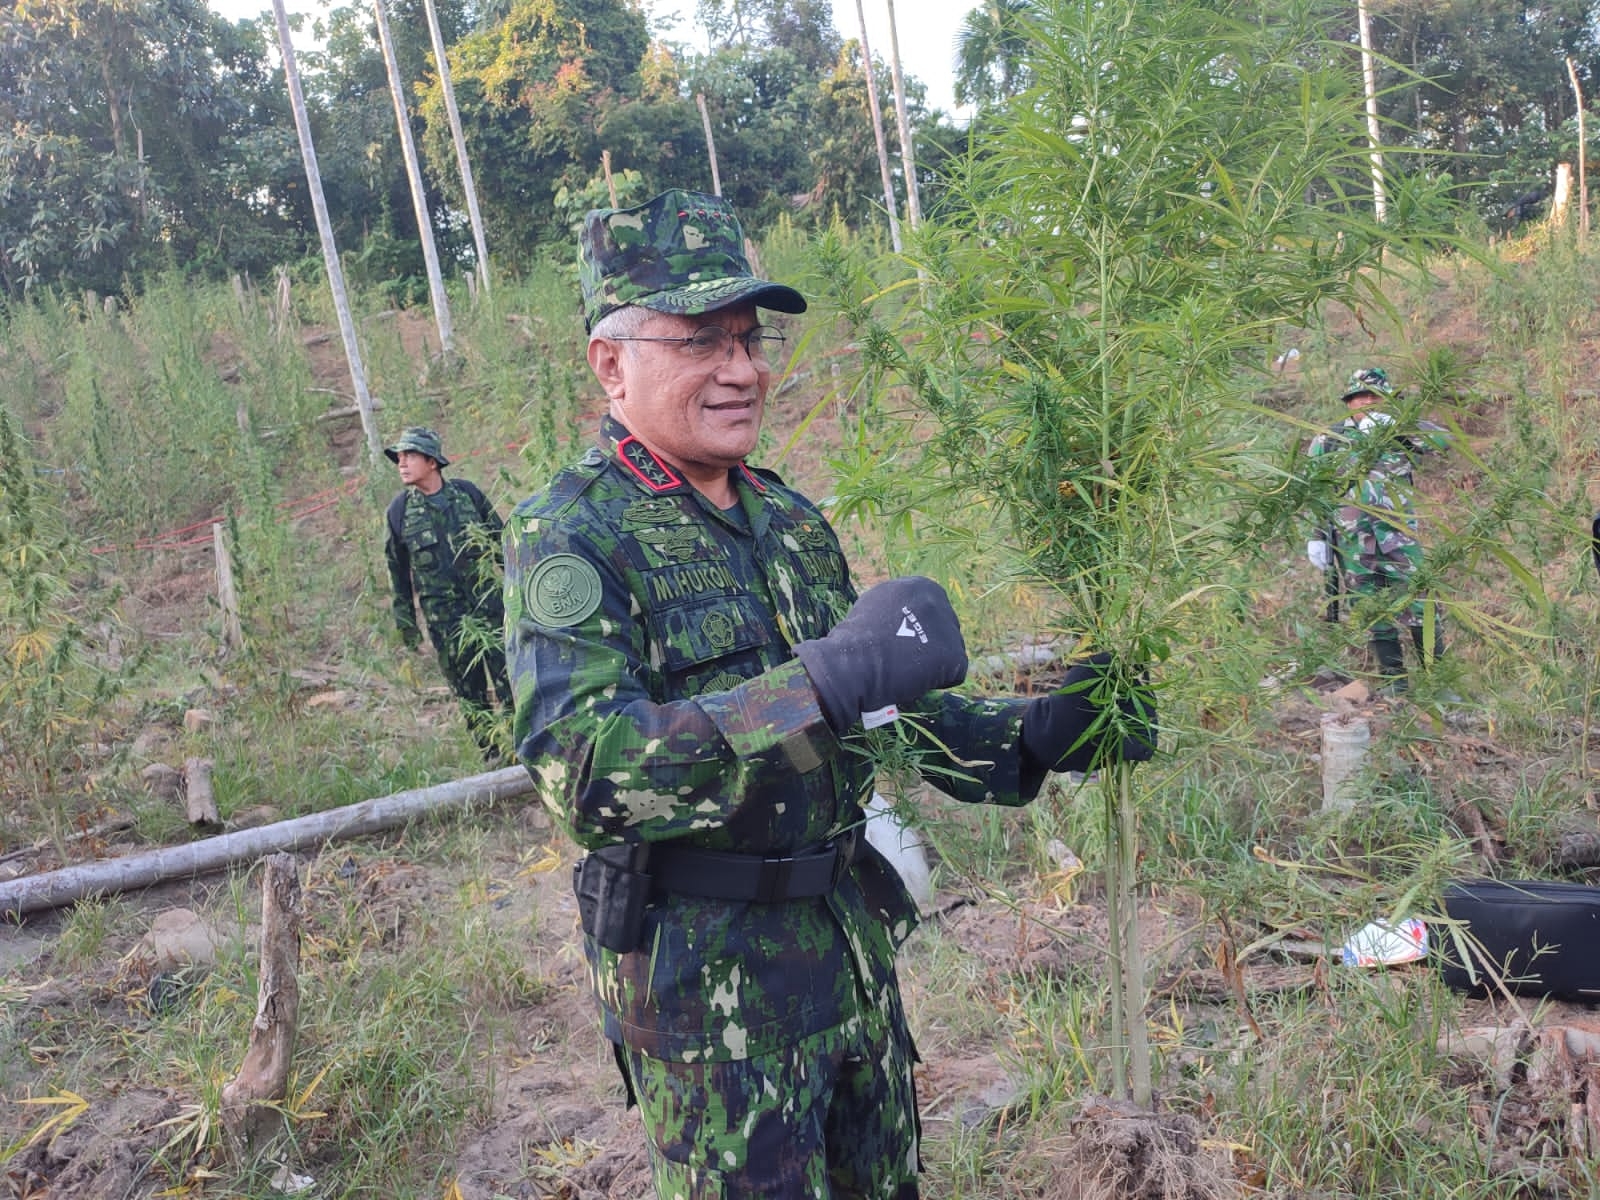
(1370,538)
(689,657)
(442,542)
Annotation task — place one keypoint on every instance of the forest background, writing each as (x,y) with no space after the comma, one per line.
(141,136)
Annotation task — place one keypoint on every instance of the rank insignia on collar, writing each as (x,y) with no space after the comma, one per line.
(641,460)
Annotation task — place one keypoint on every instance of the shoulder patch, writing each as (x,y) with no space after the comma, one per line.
(562,590)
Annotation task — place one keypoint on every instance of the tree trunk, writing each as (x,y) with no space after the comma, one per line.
(55,888)
(468,188)
(908,154)
(251,1104)
(330,251)
(877,132)
(419,194)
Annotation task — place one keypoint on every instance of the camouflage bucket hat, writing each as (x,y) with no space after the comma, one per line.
(421,439)
(1368,379)
(680,252)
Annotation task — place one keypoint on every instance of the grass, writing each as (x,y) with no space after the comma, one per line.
(436,959)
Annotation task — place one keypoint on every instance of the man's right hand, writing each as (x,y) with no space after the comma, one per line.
(899,641)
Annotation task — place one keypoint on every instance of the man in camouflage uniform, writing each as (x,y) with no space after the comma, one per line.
(689,660)
(442,543)
(1370,538)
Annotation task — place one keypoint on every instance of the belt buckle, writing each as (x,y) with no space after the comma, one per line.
(772,881)
(844,853)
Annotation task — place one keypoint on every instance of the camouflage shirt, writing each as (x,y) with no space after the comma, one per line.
(649,638)
(1376,464)
(435,561)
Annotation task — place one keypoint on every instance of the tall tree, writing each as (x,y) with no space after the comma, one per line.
(1486,81)
(990,52)
(531,91)
(126,132)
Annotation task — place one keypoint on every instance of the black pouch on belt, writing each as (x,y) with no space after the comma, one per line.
(612,888)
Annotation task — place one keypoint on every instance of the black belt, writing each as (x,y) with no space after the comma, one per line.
(718,875)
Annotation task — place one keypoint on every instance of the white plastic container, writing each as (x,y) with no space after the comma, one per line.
(902,846)
(1346,738)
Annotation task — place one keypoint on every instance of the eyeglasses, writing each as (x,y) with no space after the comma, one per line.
(762,343)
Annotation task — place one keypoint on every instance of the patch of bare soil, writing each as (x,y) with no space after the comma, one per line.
(1117,1151)
(106,1154)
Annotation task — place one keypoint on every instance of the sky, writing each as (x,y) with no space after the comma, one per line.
(925,29)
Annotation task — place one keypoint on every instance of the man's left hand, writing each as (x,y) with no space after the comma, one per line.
(1054,726)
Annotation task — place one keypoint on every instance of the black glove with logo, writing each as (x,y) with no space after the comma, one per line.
(1053,726)
(898,642)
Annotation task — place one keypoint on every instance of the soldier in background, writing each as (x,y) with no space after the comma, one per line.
(442,543)
(1369,537)
(694,672)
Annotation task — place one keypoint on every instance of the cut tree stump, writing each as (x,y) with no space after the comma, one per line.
(199,803)
(248,1103)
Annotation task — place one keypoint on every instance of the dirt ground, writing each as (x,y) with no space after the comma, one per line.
(557,1127)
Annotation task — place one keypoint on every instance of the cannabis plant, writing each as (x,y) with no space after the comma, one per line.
(1182,180)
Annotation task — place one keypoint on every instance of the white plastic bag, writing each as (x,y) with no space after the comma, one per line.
(902,846)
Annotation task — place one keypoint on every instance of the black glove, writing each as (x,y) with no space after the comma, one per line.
(898,642)
(1053,726)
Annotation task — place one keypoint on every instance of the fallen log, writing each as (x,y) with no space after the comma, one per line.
(52,889)
(252,1111)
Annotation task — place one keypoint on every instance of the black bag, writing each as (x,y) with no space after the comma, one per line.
(1541,938)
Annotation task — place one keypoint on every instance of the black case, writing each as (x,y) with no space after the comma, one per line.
(1541,938)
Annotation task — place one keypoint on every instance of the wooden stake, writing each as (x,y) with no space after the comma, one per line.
(227,597)
(1583,156)
(453,114)
(199,803)
(908,153)
(877,132)
(248,1103)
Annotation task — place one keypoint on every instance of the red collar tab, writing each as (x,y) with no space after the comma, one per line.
(755,480)
(642,461)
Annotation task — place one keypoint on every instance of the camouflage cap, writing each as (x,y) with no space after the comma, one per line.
(680,252)
(421,439)
(1368,379)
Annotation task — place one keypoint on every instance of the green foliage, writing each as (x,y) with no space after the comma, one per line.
(1487,84)
(528,90)
(1124,248)
(52,691)
(133,135)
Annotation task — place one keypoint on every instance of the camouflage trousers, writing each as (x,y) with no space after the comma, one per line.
(470,666)
(1376,558)
(833,1117)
